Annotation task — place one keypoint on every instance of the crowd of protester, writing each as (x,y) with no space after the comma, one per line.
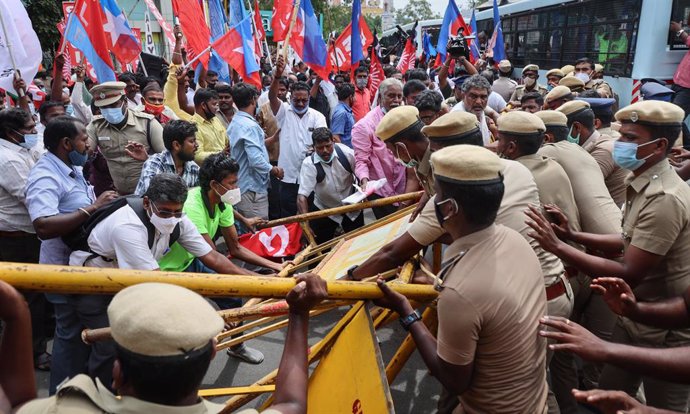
(565,214)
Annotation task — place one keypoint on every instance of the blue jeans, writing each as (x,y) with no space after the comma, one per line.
(223,303)
(71,356)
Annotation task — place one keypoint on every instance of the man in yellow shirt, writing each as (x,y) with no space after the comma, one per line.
(211,135)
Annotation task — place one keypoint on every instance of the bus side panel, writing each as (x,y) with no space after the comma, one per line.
(653,58)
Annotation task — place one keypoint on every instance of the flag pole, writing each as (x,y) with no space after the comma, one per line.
(17,75)
(197,57)
(293,21)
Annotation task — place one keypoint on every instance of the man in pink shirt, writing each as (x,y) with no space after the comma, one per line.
(373,160)
(681,79)
(362,103)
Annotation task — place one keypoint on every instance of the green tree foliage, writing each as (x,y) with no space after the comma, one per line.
(44,15)
(415,10)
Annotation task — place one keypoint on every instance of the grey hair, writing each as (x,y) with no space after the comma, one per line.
(167,187)
(476,81)
(387,83)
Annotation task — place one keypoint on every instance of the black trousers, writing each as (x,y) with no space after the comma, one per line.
(324,228)
(288,199)
(682,99)
(383,211)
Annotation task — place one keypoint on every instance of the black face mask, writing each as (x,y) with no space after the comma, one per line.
(208,114)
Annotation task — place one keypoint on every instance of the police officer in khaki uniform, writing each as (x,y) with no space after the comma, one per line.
(655,233)
(557,97)
(574,84)
(115,128)
(488,308)
(599,214)
(586,70)
(553,77)
(401,130)
(504,85)
(530,75)
(581,122)
(165,339)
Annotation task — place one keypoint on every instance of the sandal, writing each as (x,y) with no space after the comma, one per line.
(42,362)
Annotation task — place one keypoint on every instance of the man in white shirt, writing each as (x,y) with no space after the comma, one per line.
(476,91)
(296,122)
(328,174)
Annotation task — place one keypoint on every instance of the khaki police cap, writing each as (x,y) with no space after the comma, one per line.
(520,123)
(553,118)
(598,68)
(530,67)
(572,82)
(568,69)
(555,72)
(466,164)
(505,66)
(452,126)
(654,113)
(398,122)
(159,319)
(557,93)
(573,107)
(108,93)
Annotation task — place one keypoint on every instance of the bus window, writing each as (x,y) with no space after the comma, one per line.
(681,13)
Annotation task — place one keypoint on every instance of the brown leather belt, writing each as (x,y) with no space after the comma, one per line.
(15,234)
(556,290)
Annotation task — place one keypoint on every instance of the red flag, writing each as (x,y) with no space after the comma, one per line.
(408,57)
(376,75)
(230,47)
(282,13)
(260,33)
(342,47)
(193,24)
(274,242)
(64,46)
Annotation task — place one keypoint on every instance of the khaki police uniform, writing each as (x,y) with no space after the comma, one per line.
(489,309)
(573,83)
(139,127)
(559,92)
(521,90)
(146,320)
(505,87)
(603,89)
(656,220)
(601,148)
(598,214)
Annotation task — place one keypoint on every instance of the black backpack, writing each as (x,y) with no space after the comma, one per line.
(79,238)
(340,155)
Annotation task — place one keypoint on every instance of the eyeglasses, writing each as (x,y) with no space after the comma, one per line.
(167,213)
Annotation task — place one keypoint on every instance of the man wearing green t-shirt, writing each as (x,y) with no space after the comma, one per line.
(209,207)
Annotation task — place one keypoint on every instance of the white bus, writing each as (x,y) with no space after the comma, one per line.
(630,38)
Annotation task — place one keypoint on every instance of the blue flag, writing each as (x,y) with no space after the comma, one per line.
(497,38)
(429,49)
(240,21)
(450,22)
(218,28)
(474,45)
(356,53)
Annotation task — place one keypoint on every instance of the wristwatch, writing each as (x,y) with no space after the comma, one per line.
(350,271)
(680,33)
(408,320)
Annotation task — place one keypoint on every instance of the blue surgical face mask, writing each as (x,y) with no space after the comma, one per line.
(78,159)
(571,138)
(625,154)
(113,115)
(300,111)
(69,110)
(328,161)
(30,140)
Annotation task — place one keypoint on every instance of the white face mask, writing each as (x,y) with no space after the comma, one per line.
(582,76)
(164,225)
(230,197)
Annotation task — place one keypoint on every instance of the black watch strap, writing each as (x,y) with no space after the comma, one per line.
(408,320)
(351,270)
